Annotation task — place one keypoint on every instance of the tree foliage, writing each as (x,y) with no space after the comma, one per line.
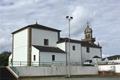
(4,57)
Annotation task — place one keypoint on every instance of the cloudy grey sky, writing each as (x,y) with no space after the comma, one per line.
(103,15)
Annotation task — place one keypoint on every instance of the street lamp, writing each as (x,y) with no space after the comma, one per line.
(69,18)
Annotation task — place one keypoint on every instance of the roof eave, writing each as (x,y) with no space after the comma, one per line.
(19,30)
(34,27)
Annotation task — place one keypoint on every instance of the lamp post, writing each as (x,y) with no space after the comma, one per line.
(69,18)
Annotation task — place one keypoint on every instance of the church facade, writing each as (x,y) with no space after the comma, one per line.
(36,44)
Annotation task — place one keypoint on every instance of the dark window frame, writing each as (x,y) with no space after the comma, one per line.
(73,48)
(34,57)
(53,57)
(46,42)
(87,49)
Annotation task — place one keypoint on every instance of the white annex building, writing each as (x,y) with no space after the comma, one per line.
(36,45)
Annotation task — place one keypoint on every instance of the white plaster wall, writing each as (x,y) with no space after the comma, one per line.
(47,57)
(36,53)
(89,56)
(61,46)
(10,58)
(75,55)
(20,46)
(117,68)
(106,67)
(38,37)
(114,61)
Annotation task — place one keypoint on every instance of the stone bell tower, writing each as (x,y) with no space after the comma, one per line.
(88,36)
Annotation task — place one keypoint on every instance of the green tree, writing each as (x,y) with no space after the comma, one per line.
(4,57)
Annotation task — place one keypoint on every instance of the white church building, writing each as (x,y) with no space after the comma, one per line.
(35,45)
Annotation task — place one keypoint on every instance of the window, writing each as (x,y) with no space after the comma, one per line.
(53,57)
(87,49)
(73,47)
(34,57)
(45,41)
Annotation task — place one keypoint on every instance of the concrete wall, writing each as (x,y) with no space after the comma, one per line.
(38,37)
(84,70)
(106,68)
(55,71)
(72,78)
(115,68)
(20,46)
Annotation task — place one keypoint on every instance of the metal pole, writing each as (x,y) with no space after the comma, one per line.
(68,53)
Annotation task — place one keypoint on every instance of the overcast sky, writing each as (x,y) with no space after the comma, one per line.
(103,15)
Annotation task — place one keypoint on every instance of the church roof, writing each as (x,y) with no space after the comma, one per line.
(37,26)
(96,57)
(83,43)
(67,40)
(87,44)
(49,49)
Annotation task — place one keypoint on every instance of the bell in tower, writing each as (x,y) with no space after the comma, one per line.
(88,34)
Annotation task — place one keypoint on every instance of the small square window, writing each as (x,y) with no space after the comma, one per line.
(87,49)
(34,57)
(45,41)
(73,47)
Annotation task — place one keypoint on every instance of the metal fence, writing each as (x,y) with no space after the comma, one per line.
(43,64)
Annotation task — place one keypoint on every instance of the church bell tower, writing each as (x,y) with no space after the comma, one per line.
(88,36)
